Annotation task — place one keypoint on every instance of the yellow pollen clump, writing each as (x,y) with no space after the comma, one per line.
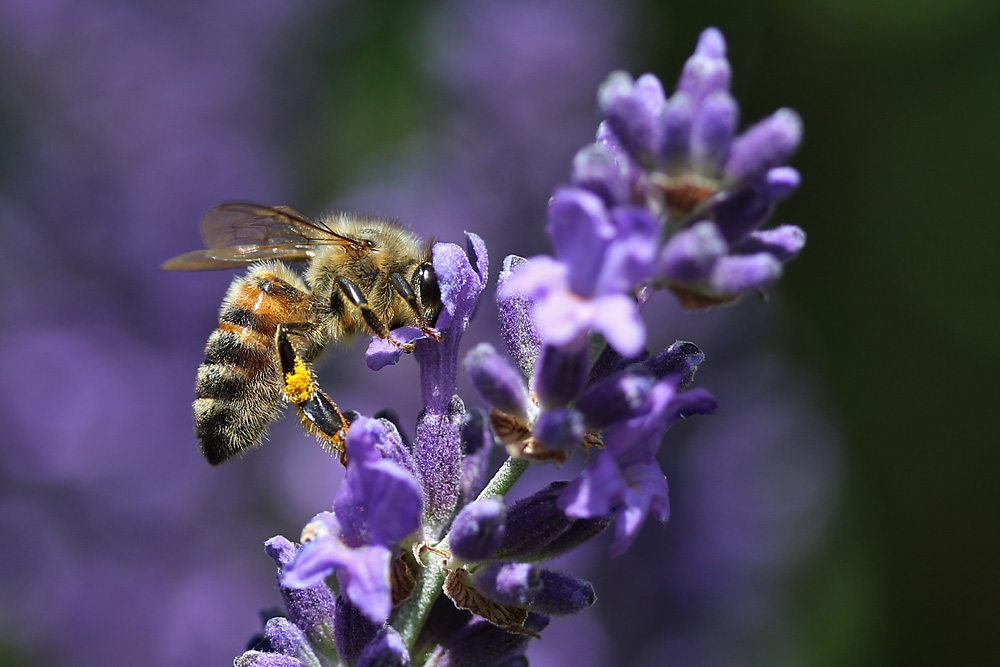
(298,384)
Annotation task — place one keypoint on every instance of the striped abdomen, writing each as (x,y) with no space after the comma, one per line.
(239,386)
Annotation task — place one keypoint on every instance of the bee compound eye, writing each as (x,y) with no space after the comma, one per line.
(430,292)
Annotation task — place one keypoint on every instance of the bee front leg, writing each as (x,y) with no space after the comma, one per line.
(318,414)
(405,290)
(374,322)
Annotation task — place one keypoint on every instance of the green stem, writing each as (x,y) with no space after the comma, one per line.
(412,614)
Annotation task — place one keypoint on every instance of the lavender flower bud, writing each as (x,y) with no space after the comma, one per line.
(533,523)
(707,70)
(311,608)
(579,532)
(691,253)
(560,595)
(513,584)
(386,650)
(765,145)
(713,131)
(478,530)
(632,109)
(616,399)
(561,428)
(517,328)
(678,117)
(559,375)
(498,382)
(680,360)
(286,638)
(736,274)
(353,630)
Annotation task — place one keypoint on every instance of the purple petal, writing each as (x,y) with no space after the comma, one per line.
(604,171)
(595,492)
(767,144)
(459,282)
(646,486)
(535,278)
(617,319)
(382,353)
(378,503)
(690,254)
(615,399)
(475,249)
(695,402)
(736,274)
(364,578)
(563,319)
(581,230)
(498,382)
(628,262)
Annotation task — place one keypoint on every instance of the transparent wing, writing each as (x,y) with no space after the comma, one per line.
(240,233)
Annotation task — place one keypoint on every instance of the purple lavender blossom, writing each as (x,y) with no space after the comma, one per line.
(668,196)
(626,479)
(378,505)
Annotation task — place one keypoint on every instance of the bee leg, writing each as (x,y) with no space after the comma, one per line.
(378,327)
(405,290)
(318,414)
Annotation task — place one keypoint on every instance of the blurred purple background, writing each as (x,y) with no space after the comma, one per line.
(121,123)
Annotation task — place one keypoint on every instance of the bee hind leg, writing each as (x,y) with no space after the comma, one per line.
(318,415)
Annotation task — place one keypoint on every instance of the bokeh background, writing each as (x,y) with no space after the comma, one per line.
(841,508)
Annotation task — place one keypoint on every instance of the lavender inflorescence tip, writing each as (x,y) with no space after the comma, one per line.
(669,196)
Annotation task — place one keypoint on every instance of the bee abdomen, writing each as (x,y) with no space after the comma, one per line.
(236,396)
(238,390)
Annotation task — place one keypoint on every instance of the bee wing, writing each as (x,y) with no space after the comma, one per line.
(240,233)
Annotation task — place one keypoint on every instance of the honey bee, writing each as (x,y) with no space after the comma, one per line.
(364,275)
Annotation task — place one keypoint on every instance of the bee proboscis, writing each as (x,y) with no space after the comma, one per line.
(364,274)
